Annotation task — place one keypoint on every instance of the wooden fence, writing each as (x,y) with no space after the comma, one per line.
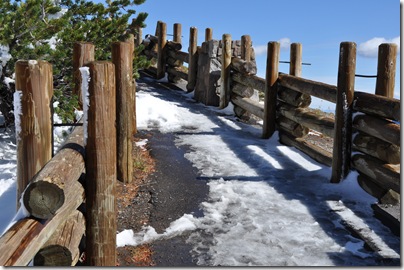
(82,174)
(364,123)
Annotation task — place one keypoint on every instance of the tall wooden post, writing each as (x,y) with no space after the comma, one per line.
(83,53)
(101,166)
(177,33)
(271,90)
(246,45)
(225,90)
(193,58)
(162,40)
(34,125)
(122,55)
(208,34)
(138,36)
(295,67)
(386,70)
(343,113)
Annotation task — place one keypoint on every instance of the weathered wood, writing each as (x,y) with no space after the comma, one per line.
(177,72)
(208,34)
(309,87)
(242,90)
(62,248)
(48,190)
(292,127)
(254,82)
(225,90)
(371,187)
(295,69)
(386,70)
(177,28)
(193,59)
(173,45)
(249,105)
(153,39)
(178,55)
(150,54)
(343,112)
(310,149)
(34,133)
(172,62)
(271,90)
(319,122)
(377,148)
(83,53)
(294,98)
(101,167)
(377,105)
(246,47)
(385,175)
(26,237)
(138,36)
(161,58)
(243,66)
(383,129)
(122,57)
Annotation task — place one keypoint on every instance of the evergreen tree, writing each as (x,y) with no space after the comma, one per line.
(47,29)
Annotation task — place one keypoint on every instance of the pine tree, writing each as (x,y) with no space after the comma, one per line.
(47,29)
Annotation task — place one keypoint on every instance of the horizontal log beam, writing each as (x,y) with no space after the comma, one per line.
(377,105)
(380,128)
(377,148)
(292,127)
(177,72)
(250,81)
(178,55)
(293,97)
(46,192)
(242,90)
(319,122)
(385,175)
(249,105)
(371,187)
(243,66)
(26,237)
(310,149)
(62,249)
(309,87)
(150,54)
(174,45)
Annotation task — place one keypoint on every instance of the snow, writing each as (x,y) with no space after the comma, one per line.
(17,112)
(85,79)
(268,204)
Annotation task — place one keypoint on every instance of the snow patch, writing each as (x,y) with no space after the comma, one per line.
(85,79)
(17,113)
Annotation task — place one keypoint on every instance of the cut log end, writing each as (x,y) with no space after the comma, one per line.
(54,255)
(42,199)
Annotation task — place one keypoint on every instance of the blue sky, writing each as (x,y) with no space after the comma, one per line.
(319,25)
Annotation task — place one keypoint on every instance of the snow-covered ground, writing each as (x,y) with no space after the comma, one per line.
(268,204)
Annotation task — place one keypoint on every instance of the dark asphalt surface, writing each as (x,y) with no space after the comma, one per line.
(175,191)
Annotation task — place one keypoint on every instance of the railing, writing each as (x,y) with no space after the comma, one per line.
(82,175)
(288,96)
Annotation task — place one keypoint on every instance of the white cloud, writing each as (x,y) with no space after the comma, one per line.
(262,49)
(370,48)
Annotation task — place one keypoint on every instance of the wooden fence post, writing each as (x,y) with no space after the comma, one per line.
(386,70)
(34,123)
(225,90)
(193,58)
(101,166)
(208,34)
(271,91)
(295,67)
(162,40)
(246,45)
(343,112)
(83,53)
(122,55)
(177,33)
(138,36)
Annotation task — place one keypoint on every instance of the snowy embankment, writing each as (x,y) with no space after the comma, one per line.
(268,204)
